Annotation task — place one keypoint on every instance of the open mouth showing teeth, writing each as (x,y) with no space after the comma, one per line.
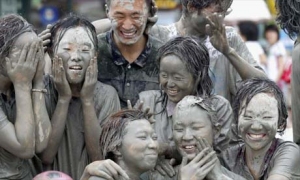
(256,136)
(75,68)
(172,92)
(128,33)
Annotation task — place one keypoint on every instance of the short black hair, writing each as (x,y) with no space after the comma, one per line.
(64,24)
(252,87)
(249,29)
(272,27)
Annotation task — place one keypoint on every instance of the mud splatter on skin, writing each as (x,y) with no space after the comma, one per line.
(258,122)
(128,19)
(139,146)
(191,121)
(76,49)
(175,79)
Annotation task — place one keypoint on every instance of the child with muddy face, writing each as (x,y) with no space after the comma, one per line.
(129,145)
(184,70)
(24,122)
(77,103)
(261,112)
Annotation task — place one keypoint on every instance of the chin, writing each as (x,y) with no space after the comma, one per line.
(76,81)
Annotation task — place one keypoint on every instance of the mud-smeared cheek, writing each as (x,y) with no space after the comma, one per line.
(64,55)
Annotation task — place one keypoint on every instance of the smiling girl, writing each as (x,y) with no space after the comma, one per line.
(261,112)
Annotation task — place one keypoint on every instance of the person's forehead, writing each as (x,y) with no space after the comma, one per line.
(191,114)
(76,34)
(131,5)
(24,38)
(140,125)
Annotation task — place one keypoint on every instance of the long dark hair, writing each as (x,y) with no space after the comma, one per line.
(195,56)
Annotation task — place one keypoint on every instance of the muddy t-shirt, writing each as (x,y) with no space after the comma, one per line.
(225,78)
(11,167)
(128,79)
(282,158)
(72,156)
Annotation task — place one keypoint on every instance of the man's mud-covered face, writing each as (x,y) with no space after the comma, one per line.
(258,122)
(198,18)
(76,50)
(129,19)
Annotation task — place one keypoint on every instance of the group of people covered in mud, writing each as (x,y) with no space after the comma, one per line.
(128,99)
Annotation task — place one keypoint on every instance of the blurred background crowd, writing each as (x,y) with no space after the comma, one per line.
(254,19)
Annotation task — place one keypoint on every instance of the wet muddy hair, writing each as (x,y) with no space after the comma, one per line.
(252,87)
(114,129)
(200,4)
(288,16)
(249,29)
(71,21)
(11,27)
(195,56)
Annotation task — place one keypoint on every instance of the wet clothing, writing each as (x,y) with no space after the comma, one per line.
(72,156)
(128,79)
(282,158)
(163,125)
(11,167)
(225,78)
(295,92)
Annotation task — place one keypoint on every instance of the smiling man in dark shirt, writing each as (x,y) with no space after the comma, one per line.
(127,54)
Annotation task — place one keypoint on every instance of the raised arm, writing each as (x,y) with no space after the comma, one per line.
(217,33)
(92,127)
(59,117)
(18,138)
(42,122)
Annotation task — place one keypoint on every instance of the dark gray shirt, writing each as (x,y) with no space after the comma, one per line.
(72,156)
(282,158)
(128,79)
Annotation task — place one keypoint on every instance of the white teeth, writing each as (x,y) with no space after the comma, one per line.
(189,147)
(173,91)
(128,33)
(76,67)
(256,135)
